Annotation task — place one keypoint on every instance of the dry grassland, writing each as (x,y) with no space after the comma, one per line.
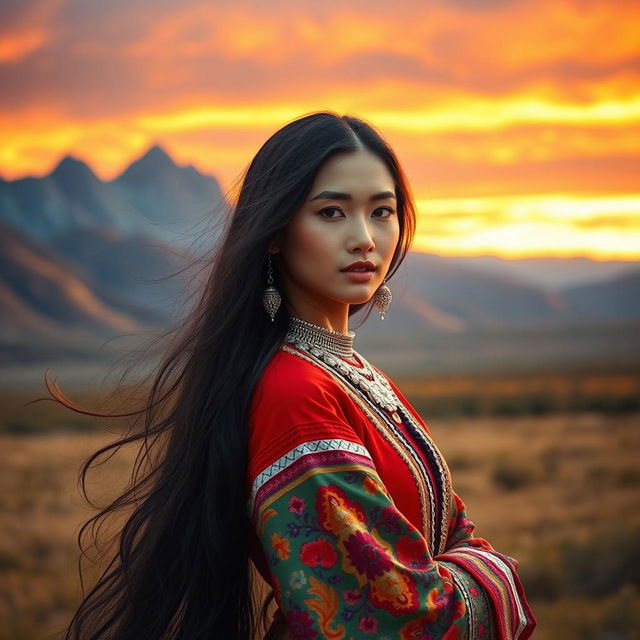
(560,492)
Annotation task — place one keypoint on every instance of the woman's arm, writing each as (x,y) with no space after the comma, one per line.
(344,562)
(496,572)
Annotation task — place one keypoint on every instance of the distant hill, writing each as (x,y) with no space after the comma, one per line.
(548,273)
(139,268)
(43,292)
(173,199)
(615,299)
(474,297)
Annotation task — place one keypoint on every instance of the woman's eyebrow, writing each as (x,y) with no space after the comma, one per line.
(338,195)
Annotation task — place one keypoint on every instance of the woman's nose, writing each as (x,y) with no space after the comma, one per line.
(361,237)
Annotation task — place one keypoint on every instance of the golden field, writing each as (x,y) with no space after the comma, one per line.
(557,490)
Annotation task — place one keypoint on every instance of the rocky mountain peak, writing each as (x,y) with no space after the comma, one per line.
(71,169)
(153,163)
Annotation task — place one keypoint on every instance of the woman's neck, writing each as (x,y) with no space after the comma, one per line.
(334,320)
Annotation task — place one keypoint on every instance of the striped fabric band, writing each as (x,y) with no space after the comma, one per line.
(497,577)
(335,450)
(508,573)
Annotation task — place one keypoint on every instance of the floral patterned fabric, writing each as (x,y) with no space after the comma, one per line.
(343,560)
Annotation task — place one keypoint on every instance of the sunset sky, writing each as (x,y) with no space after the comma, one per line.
(517,122)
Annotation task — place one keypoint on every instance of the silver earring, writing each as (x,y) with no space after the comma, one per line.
(271,297)
(382,299)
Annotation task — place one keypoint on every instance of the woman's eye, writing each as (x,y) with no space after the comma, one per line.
(328,210)
(388,211)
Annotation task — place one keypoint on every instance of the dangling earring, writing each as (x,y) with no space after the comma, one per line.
(382,299)
(271,297)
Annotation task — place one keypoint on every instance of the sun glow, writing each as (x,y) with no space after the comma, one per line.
(602,227)
(533,116)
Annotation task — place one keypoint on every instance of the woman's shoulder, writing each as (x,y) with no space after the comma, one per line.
(287,372)
(293,388)
(296,401)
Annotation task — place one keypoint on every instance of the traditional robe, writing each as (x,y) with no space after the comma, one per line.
(356,526)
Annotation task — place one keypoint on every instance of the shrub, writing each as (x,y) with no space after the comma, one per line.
(509,476)
(593,568)
(22,428)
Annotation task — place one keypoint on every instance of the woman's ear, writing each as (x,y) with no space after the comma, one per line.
(274,245)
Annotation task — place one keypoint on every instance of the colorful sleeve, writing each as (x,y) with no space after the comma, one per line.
(345,563)
(474,563)
(467,555)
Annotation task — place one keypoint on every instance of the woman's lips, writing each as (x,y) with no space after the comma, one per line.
(359,276)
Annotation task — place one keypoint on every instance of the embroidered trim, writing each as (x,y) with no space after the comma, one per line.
(307,448)
(323,461)
(443,473)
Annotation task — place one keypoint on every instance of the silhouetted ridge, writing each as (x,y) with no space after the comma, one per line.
(71,170)
(154,163)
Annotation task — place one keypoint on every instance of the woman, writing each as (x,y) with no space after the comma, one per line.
(282,448)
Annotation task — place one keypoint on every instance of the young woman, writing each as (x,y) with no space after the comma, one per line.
(270,442)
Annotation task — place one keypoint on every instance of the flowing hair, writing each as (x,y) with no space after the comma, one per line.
(181,569)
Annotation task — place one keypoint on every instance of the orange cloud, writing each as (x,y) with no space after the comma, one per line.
(455,38)
(15,47)
(24,29)
(480,100)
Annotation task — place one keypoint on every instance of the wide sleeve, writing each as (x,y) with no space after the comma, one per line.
(344,562)
(466,555)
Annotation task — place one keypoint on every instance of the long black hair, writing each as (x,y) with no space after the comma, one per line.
(181,569)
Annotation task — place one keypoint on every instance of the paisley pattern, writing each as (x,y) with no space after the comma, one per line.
(347,564)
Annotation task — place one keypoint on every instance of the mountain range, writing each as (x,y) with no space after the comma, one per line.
(153,197)
(82,259)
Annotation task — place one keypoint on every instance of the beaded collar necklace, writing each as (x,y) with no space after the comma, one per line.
(339,344)
(327,344)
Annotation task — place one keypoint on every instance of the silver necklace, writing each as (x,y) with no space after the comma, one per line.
(340,344)
(330,347)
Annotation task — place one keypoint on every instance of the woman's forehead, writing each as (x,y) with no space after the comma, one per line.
(355,173)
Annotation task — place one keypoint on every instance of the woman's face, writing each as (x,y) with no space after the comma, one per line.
(350,215)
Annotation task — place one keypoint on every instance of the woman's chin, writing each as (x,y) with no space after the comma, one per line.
(352,296)
(360,299)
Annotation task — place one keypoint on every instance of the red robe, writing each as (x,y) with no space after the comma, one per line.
(357,527)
